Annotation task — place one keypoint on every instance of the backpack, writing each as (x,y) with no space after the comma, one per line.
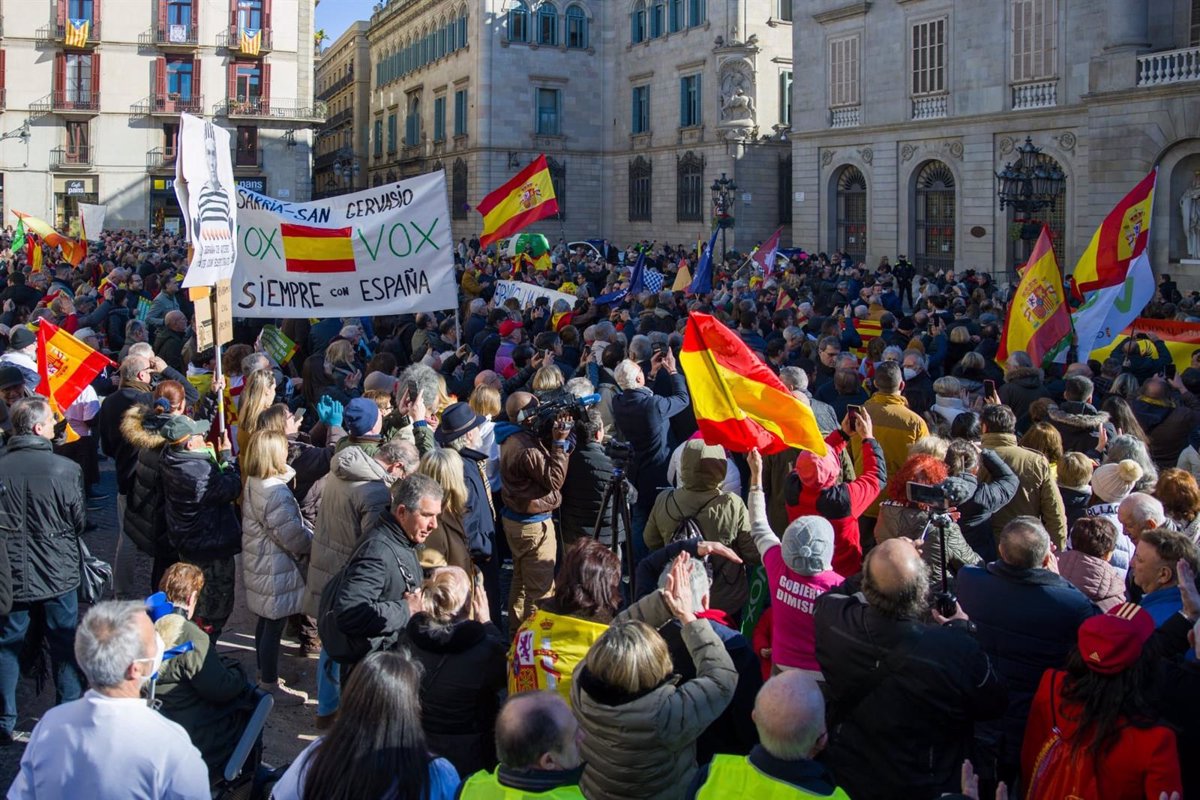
(1057,773)
(688,529)
(342,648)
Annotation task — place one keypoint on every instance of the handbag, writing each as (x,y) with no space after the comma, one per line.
(95,575)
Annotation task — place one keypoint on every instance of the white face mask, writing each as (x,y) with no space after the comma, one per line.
(910,373)
(160,648)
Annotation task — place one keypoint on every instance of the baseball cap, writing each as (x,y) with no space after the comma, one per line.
(180,428)
(10,376)
(508,326)
(20,338)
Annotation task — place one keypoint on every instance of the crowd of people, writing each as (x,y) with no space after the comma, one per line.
(523,573)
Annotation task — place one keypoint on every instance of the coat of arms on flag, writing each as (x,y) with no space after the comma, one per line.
(1042,299)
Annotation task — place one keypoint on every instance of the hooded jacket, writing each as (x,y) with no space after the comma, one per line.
(722,517)
(1093,576)
(983,499)
(1168,426)
(1038,494)
(1079,424)
(896,426)
(275,541)
(198,495)
(145,512)
(531,474)
(1022,386)
(353,496)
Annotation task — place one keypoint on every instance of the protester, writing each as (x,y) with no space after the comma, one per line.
(1178,492)
(1086,565)
(1155,570)
(1038,495)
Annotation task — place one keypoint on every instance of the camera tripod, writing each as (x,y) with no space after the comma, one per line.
(616,501)
(944,601)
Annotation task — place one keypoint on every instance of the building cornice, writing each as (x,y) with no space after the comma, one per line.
(847,11)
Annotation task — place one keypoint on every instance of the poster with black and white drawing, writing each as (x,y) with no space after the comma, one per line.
(208,198)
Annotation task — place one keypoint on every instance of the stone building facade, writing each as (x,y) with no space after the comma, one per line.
(98,85)
(909,107)
(343,83)
(631,101)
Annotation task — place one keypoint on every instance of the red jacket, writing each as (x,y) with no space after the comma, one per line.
(843,503)
(1142,764)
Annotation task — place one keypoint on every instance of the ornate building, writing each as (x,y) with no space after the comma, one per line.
(910,107)
(343,83)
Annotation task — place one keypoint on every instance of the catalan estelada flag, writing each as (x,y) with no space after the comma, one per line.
(76,33)
(73,251)
(739,402)
(307,249)
(1121,237)
(249,41)
(1038,317)
(526,198)
(66,365)
(867,329)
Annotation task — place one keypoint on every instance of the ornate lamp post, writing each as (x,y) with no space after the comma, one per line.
(724,191)
(1030,186)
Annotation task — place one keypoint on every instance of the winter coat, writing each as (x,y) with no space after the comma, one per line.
(200,691)
(110,426)
(1038,495)
(919,688)
(145,511)
(310,464)
(644,417)
(531,474)
(1079,424)
(275,541)
(843,503)
(1021,387)
(985,499)
(1075,502)
(1027,621)
(589,471)
(901,518)
(644,746)
(464,676)
(722,517)
(919,393)
(1122,555)
(479,517)
(353,496)
(895,427)
(198,495)
(41,519)
(945,410)
(1168,428)
(168,345)
(447,545)
(371,604)
(1093,576)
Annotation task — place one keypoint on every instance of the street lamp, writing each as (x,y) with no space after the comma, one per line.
(1030,185)
(724,190)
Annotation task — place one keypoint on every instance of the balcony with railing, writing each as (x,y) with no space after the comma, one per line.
(270,108)
(845,117)
(336,86)
(1167,67)
(934,106)
(161,158)
(170,104)
(78,157)
(64,34)
(69,103)
(232,38)
(1036,94)
(341,117)
(172,37)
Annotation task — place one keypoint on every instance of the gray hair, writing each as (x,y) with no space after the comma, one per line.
(627,373)
(1144,508)
(255,361)
(1129,446)
(605,331)
(918,357)
(893,353)
(141,349)
(477,305)
(792,332)
(426,379)
(560,306)
(1024,543)
(794,378)
(399,451)
(1019,359)
(947,386)
(133,327)
(108,641)
(639,347)
(846,361)
(28,412)
(701,586)
(350,330)
(579,387)
(132,366)
(411,490)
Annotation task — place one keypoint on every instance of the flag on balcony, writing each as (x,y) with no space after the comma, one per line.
(250,41)
(527,197)
(72,250)
(317,250)
(76,34)
(1121,237)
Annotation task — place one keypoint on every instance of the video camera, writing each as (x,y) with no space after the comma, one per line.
(620,453)
(545,415)
(935,499)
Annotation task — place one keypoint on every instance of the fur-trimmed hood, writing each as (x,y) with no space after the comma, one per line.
(1028,377)
(135,431)
(1079,416)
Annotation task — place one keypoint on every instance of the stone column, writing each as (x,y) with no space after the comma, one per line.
(1127,25)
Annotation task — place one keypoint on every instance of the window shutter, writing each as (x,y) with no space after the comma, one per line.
(233,21)
(162,19)
(95,19)
(266,87)
(3,82)
(60,75)
(196,17)
(62,14)
(232,94)
(160,77)
(197,90)
(96,80)
(266,16)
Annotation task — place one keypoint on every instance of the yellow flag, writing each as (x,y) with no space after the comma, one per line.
(683,278)
(1038,318)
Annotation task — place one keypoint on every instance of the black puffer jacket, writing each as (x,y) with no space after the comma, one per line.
(41,519)
(108,425)
(588,474)
(1079,425)
(465,672)
(199,495)
(145,513)
(371,603)
(1022,386)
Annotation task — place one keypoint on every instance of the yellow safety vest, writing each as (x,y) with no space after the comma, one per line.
(735,776)
(486,786)
(546,650)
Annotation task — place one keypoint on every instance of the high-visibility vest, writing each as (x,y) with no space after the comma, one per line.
(486,786)
(735,776)
(546,650)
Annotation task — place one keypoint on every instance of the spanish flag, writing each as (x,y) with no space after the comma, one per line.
(66,365)
(249,42)
(1038,317)
(683,278)
(526,198)
(307,249)
(76,33)
(739,402)
(1120,238)
(73,251)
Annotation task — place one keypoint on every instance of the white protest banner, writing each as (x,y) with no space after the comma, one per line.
(386,250)
(528,293)
(92,217)
(206,193)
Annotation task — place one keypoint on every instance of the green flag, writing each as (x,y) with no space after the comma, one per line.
(18,243)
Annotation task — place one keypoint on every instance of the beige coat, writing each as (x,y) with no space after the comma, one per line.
(1037,496)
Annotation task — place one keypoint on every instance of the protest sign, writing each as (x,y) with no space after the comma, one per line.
(92,218)
(277,345)
(386,250)
(528,293)
(223,311)
(206,193)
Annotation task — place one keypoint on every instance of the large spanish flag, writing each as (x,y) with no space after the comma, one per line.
(307,249)
(1038,317)
(66,365)
(739,402)
(73,251)
(1121,237)
(526,198)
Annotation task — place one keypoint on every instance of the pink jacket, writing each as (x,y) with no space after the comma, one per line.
(1093,576)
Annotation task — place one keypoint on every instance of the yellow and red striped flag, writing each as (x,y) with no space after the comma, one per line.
(867,329)
(1038,317)
(1121,236)
(319,250)
(76,32)
(739,402)
(67,366)
(523,200)
(73,251)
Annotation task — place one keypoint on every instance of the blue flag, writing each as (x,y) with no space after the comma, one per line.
(702,282)
(637,283)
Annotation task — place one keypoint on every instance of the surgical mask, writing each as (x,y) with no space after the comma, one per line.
(910,373)
(160,647)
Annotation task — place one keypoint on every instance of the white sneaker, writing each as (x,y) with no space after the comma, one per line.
(285,696)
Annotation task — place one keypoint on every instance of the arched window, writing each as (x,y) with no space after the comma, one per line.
(577,28)
(658,13)
(934,217)
(689,206)
(637,22)
(641,172)
(440,33)
(462,30)
(851,210)
(458,190)
(518,22)
(547,24)
(675,16)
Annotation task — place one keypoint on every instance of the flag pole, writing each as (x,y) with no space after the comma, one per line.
(220,397)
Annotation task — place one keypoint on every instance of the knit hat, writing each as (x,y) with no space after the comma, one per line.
(10,376)
(818,471)
(360,416)
(1112,642)
(808,545)
(20,337)
(1112,483)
